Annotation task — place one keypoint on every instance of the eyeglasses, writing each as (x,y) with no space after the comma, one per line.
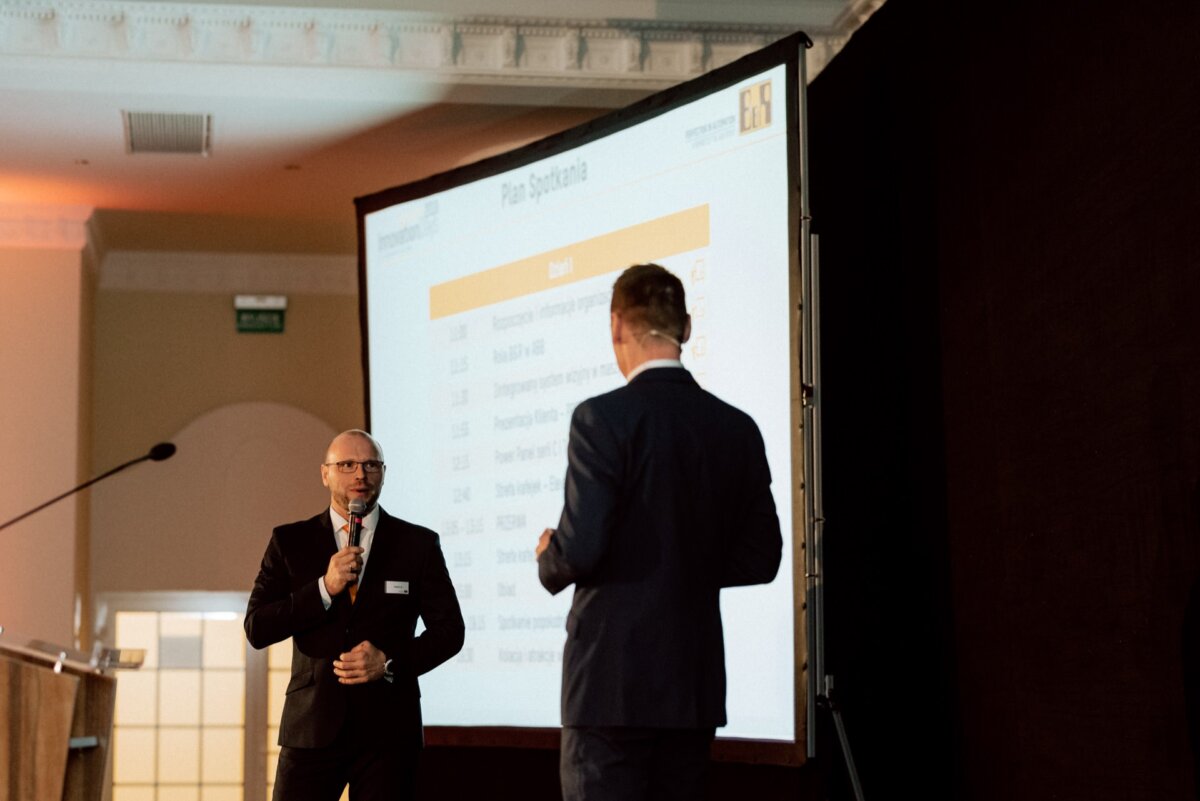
(349,466)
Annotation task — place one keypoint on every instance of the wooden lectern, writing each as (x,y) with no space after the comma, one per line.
(57,711)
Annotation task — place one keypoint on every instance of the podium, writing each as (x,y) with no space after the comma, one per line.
(57,708)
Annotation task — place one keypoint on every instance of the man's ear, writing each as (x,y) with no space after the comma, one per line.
(687,330)
(618,328)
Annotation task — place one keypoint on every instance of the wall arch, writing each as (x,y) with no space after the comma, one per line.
(201,520)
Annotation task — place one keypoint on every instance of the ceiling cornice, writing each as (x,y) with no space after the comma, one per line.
(43,227)
(591,53)
(229,273)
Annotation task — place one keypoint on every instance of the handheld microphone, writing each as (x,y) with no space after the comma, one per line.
(356,509)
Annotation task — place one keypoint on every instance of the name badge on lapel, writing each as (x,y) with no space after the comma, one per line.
(397,588)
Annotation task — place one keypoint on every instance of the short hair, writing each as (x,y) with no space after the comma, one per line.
(648,296)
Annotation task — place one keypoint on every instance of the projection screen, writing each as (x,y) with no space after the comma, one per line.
(485,315)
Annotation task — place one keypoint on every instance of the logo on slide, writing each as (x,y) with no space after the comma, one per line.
(755,107)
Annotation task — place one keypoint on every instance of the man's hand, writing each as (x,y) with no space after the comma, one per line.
(344,567)
(363,663)
(543,542)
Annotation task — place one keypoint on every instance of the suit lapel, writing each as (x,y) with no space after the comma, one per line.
(383,544)
(328,542)
(325,544)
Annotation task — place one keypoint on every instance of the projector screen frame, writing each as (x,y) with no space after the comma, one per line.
(789,52)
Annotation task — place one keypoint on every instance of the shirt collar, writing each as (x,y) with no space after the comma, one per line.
(370,519)
(650,364)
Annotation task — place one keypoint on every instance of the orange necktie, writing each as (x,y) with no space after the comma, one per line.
(353,588)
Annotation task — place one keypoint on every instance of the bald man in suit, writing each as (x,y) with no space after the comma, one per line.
(353,711)
(667,501)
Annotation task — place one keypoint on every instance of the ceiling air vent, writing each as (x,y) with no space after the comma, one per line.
(156,132)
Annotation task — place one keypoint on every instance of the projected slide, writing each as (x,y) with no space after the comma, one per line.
(488,323)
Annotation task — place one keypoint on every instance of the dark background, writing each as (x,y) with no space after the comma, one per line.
(1008,203)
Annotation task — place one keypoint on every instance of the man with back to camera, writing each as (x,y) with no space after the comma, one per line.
(353,711)
(667,500)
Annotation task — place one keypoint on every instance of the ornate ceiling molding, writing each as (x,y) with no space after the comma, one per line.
(587,52)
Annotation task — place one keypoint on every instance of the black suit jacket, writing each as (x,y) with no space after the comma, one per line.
(667,501)
(286,602)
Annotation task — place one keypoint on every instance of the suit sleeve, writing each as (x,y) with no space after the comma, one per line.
(590,506)
(276,611)
(755,550)
(440,612)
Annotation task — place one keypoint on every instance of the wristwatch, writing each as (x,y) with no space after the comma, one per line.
(387,670)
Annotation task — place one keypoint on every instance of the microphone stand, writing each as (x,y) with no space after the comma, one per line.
(163,450)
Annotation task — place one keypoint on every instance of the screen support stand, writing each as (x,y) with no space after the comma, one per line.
(820,686)
(825,701)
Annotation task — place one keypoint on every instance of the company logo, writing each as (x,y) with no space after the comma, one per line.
(755,111)
(403,233)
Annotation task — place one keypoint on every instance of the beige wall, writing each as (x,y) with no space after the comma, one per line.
(251,414)
(43,367)
(202,518)
(163,359)
(96,370)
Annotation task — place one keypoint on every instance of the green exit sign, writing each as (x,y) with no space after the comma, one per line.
(259,314)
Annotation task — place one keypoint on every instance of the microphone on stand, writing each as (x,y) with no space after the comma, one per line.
(161,451)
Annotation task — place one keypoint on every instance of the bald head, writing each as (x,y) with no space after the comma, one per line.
(354,433)
(353,470)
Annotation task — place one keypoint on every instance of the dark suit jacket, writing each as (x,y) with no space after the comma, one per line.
(667,501)
(286,602)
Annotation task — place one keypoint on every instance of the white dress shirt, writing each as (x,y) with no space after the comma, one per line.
(650,364)
(365,537)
